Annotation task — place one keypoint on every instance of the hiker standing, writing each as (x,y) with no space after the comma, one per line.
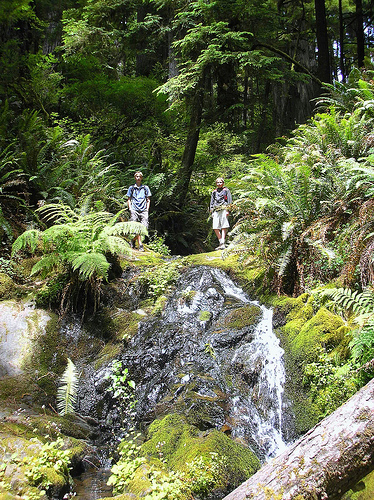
(138,202)
(220,199)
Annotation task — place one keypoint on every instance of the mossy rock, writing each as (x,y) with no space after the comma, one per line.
(249,271)
(6,286)
(299,311)
(242,317)
(323,329)
(181,444)
(363,490)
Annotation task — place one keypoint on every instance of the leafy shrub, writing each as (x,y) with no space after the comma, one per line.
(330,384)
(52,456)
(159,280)
(157,244)
(122,389)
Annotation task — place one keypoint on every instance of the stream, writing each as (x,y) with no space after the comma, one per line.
(212,356)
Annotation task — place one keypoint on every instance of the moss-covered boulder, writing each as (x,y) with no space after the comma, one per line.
(203,458)
(6,286)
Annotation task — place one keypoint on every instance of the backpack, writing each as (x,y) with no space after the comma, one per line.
(224,193)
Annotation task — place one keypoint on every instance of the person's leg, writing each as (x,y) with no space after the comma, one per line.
(143,219)
(218,234)
(223,233)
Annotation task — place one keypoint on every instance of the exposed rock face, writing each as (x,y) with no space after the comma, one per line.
(208,357)
(20,324)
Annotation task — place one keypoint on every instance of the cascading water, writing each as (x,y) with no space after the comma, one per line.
(264,353)
(211,355)
(198,359)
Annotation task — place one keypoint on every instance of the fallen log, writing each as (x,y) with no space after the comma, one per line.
(324,463)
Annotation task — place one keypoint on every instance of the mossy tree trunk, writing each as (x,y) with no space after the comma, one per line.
(326,462)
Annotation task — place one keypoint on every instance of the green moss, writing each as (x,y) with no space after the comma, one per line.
(116,324)
(205,315)
(363,490)
(180,443)
(242,317)
(299,311)
(159,305)
(248,272)
(323,329)
(6,286)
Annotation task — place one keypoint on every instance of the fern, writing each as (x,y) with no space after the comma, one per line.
(362,305)
(91,265)
(78,244)
(67,392)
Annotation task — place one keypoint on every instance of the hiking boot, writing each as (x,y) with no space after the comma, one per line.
(141,248)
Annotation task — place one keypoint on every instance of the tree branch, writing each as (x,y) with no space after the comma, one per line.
(290,59)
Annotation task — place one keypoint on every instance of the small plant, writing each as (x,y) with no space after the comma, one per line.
(67,392)
(205,473)
(204,316)
(157,244)
(39,466)
(209,350)
(188,295)
(124,470)
(122,389)
(159,280)
(330,385)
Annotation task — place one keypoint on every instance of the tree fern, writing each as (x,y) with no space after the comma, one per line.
(67,391)
(78,244)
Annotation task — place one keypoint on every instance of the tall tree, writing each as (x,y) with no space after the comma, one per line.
(324,69)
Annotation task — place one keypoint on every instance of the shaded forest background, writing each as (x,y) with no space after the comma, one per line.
(91,91)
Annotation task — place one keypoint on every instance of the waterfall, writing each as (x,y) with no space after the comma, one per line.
(265,419)
(219,373)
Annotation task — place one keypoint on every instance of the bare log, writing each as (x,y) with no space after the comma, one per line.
(326,462)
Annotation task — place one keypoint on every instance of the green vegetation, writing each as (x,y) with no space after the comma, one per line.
(122,389)
(177,462)
(67,392)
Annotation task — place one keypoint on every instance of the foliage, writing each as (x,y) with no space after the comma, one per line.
(67,392)
(330,384)
(52,457)
(157,244)
(123,471)
(199,477)
(160,279)
(361,305)
(78,244)
(122,389)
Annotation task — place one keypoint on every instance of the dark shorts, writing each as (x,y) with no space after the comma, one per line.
(141,217)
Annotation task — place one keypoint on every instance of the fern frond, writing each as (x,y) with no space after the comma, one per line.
(91,265)
(59,213)
(126,228)
(28,240)
(112,244)
(67,392)
(46,264)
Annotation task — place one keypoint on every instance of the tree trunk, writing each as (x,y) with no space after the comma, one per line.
(341,40)
(185,172)
(360,34)
(326,462)
(324,70)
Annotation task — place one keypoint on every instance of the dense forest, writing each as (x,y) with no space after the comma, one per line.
(276,97)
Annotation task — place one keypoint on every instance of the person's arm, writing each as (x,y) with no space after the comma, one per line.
(129,203)
(148,203)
